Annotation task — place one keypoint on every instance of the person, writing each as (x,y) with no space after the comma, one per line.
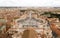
(54,34)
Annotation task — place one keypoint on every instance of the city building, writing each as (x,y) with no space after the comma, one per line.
(37,22)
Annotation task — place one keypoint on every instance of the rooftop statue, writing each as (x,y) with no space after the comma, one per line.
(55,30)
(29,33)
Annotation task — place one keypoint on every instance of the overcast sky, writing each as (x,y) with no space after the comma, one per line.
(30,3)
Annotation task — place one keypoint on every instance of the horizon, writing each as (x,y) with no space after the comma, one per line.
(29,3)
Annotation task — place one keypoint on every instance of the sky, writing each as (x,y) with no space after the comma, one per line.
(29,3)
